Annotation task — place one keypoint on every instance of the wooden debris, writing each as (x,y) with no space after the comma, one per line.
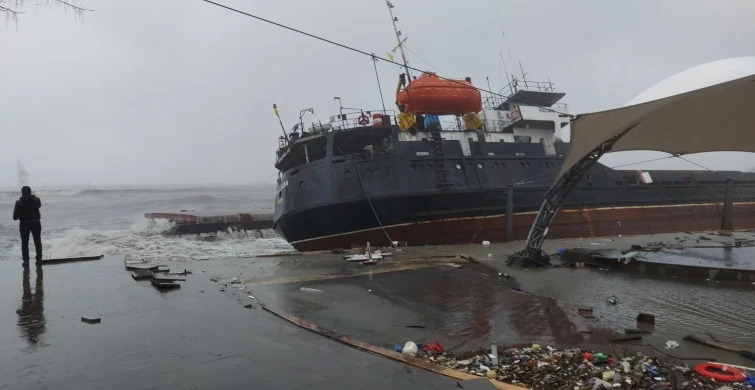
(141,274)
(637,331)
(623,339)
(646,318)
(586,312)
(91,320)
(165,285)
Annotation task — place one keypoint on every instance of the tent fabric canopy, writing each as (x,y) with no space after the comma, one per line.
(717,118)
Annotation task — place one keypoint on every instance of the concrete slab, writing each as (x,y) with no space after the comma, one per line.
(189,338)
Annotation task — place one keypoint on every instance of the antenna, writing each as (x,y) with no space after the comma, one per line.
(22,175)
(524,75)
(398,38)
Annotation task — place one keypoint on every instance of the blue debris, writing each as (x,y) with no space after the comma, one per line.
(398,348)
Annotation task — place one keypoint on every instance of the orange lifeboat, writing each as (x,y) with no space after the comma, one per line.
(429,94)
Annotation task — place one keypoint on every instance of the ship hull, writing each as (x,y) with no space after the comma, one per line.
(570,223)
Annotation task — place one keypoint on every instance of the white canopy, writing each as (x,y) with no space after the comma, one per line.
(717,118)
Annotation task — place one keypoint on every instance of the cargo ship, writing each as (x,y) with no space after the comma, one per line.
(363,176)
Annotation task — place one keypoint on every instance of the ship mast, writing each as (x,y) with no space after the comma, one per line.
(398,38)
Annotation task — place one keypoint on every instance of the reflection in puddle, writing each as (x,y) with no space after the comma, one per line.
(31,319)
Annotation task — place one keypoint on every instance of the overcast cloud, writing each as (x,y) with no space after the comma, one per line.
(180,91)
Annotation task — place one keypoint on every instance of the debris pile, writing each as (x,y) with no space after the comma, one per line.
(547,368)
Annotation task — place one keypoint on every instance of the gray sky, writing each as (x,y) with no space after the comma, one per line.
(179,91)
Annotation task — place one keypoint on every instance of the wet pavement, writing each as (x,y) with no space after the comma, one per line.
(190,338)
(465,308)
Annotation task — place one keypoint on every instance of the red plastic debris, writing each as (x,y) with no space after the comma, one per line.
(612,361)
(589,357)
(433,347)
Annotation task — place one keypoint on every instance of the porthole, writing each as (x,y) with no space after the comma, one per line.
(458,166)
(495,165)
(301,183)
(378,171)
(479,166)
(412,167)
(347,173)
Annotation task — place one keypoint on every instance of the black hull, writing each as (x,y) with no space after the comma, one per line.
(336,201)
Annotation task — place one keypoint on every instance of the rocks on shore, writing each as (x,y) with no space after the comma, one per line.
(547,368)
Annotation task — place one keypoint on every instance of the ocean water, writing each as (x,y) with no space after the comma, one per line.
(81,222)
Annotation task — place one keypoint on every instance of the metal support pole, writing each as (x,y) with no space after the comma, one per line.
(510,213)
(728,205)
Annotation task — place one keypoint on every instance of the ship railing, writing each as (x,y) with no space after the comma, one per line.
(350,119)
(518,84)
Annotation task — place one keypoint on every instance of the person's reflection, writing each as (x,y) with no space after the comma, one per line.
(31,318)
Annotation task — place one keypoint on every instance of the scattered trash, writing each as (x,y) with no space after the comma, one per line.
(612,300)
(416,326)
(251,297)
(486,243)
(597,243)
(235,281)
(549,368)
(91,320)
(398,348)
(671,344)
(410,348)
(454,265)
(312,290)
(248,306)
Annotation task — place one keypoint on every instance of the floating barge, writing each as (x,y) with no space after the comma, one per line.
(197,223)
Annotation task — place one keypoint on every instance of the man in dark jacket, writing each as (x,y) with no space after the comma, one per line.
(27,212)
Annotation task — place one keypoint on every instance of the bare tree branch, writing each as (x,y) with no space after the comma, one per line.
(11,7)
(74,6)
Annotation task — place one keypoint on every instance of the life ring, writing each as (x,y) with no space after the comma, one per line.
(363,120)
(720,372)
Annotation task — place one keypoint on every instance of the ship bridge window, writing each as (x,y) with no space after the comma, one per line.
(303,152)
(688,179)
(631,180)
(361,144)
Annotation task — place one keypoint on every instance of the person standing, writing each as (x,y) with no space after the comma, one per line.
(27,213)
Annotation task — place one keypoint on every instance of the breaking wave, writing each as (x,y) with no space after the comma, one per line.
(144,240)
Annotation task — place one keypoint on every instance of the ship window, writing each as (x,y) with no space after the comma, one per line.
(688,179)
(297,155)
(631,180)
(525,164)
(458,166)
(361,144)
(549,164)
(495,165)
(470,165)
(479,166)
(412,167)
(378,171)
(347,173)
(301,183)
(340,160)
(429,166)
